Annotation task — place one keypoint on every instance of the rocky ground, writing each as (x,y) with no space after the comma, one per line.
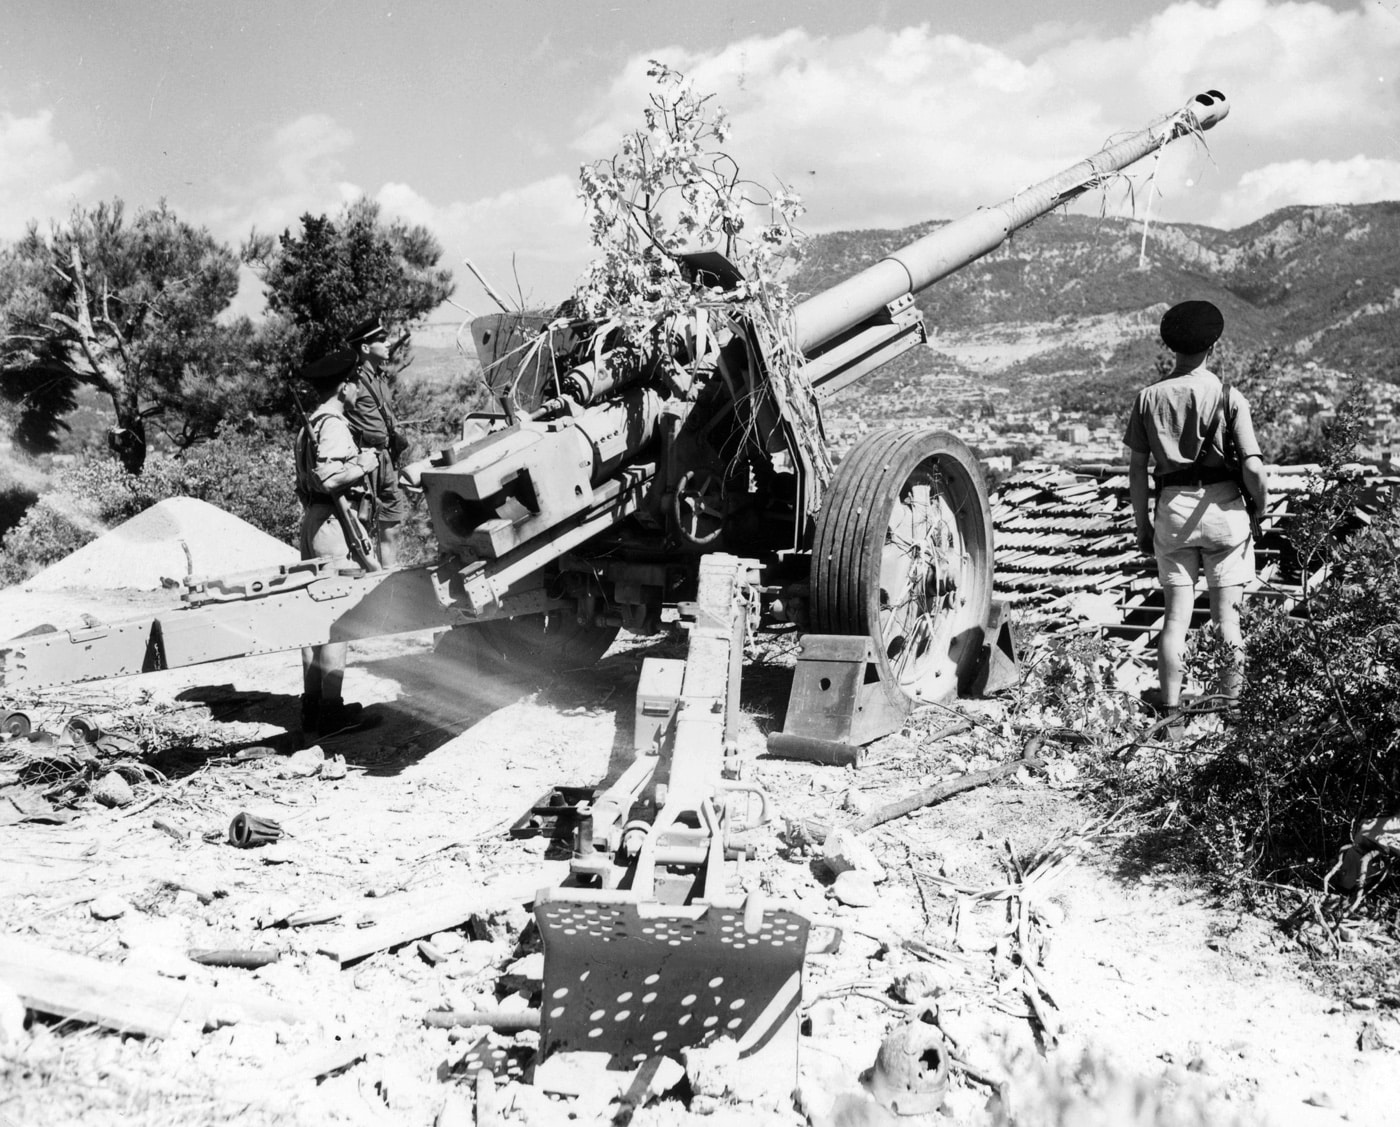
(1074,974)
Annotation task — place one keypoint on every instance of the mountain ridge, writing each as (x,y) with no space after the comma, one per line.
(1318,283)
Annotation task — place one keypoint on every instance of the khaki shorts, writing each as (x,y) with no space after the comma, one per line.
(391,504)
(321,534)
(1203,527)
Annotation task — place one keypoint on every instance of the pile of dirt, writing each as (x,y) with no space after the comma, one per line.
(178,537)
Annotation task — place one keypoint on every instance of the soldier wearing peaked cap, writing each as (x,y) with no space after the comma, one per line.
(371,418)
(328,463)
(1208,488)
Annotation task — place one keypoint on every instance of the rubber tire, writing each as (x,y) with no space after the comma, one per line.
(852,545)
(549,642)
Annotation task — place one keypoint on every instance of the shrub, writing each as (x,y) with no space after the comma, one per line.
(1316,745)
(249,475)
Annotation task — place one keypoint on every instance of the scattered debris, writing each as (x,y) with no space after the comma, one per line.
(502,1021)
(303,764)
(249,959)
(855,889)
(910,1074)
(112,789)
(423,912)
(246,830)
(118,997)
(934,794)
(109,906)
(843,851)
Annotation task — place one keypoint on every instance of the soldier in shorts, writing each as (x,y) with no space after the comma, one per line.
(328,462)
(371,418)
(1200,520)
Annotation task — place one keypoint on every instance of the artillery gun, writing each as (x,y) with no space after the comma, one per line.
(611,482)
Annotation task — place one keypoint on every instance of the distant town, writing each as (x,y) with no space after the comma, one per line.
(1008,426)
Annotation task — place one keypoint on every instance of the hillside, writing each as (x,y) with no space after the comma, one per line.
(1075,295)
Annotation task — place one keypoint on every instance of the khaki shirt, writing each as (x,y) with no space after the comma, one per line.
(1171,418)
(334,447)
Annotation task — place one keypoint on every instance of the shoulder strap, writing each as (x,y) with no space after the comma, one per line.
(1227,412)
(368,385)
(1214,426)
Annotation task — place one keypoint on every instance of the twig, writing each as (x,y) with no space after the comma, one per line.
(144,804)
(928,796)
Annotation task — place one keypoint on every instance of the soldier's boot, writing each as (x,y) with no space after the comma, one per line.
(335,715)
(310,713)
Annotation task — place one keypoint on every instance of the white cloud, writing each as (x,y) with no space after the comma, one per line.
(39,177)
(531,239)
(886,128)
(890,127)
(301,169)
(1261,190)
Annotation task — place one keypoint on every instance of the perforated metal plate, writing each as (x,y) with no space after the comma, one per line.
(637,985)
(508,1063)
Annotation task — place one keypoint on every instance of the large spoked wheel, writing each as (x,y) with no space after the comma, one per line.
(549,642)
(903,554)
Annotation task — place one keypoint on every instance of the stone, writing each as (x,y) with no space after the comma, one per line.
(526,973)
(922,982)
(709,1066)
(448,942)
(843,851)
(481,954)
(222,1015)
(303,764)
(855,889)
(334,767)
(113,790)
(109,906)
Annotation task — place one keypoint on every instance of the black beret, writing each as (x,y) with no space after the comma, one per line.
(367,331)
(1192,326)
(337,365)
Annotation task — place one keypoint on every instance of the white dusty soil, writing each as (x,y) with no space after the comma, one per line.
(1159,983)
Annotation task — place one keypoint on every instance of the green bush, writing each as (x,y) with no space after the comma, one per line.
(249,475)
(1316,743)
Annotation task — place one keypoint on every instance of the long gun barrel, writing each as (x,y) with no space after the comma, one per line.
(827,315)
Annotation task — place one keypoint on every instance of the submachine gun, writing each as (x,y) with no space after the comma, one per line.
(613,482)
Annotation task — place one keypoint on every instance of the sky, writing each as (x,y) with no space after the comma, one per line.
(473,118)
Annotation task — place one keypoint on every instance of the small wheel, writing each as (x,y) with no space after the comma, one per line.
(17,725)
(903,554)
(81,730)
(550,642)
(699,508)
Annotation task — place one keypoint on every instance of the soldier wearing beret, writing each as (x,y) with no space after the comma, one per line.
(371,418)
(1199,513)
(328,462)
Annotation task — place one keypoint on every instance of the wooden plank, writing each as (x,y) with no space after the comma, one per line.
(437,909)
(118,997)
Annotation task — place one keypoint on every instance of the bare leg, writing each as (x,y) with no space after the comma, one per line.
(388,545)
(1225,613)
(1171,643)
(330,662)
